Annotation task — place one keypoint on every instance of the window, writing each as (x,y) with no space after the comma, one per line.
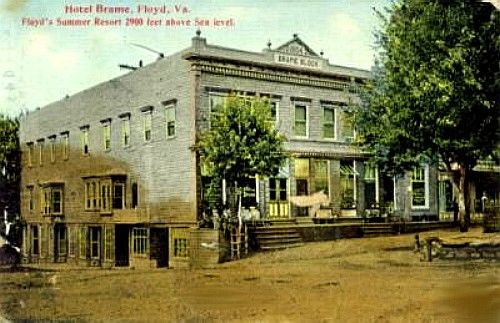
(52,148)
(92,195)
(60,240)
(40,143)
(300,129)
(274,105)
(64,141)
(180,247)
(35,240)
(348,184)
(118,195)
(83,242)
(135,196)
(31,151)
(108,243)
(147,120)
(216,102)
(95,242)
(125,131)
(302,181)
(170,120)
(371,186)
(31,200)
(445,194)
(52,200)
(71,241)
(346,125)
(104,194)
(328,122)
(106,135)
(140,241)
(321,176)
(84,139)
(420,187)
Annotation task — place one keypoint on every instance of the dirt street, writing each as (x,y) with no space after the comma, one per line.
(357,280)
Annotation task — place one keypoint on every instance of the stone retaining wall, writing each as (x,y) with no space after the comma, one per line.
(436,248)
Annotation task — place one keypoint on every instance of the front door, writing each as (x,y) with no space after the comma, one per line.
(278,198)
(122,245)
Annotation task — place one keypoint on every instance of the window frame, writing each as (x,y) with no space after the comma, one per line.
(35,239)
(125,131)
(425,181)
(352,172)
(47,199)
(147,125)
(106,135)
(31,153)
(40,144)
(328,107)
(64,142)
(52,148)
(305,122)
(84,140)
(139,242)
(344,113)
(170,121)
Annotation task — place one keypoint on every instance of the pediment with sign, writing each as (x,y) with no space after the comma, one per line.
(296,47)
(297,54)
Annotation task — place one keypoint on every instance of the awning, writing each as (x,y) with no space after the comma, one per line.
(310,200)
(348,170)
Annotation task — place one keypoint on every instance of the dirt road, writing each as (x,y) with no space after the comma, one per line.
(356,280)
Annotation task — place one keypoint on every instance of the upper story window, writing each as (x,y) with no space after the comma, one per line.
(347,125)
(170,119)
(125,129)
(64,142)
(328,121)
(420,187)
(301,122)
(52,199)
(106,134)
(52,148)
(217,101)
(30,151)
(31,197)
(84,139)
(40,143)
(104,193)
(147,121)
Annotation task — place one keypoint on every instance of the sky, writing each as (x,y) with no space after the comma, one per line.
(42,64)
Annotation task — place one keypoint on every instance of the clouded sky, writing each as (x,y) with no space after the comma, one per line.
(39,65)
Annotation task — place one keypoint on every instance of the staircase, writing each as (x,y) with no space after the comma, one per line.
(275,237)
(377,229)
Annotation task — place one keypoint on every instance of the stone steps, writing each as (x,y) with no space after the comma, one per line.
(373,230)
(275,237)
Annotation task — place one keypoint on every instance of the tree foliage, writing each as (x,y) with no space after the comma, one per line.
(10,171)
(242,142)
(435,92)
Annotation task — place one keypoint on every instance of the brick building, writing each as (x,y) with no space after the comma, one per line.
(110,177)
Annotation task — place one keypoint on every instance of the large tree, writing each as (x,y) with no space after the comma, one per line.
(435,92)
(242,142)
(9,178)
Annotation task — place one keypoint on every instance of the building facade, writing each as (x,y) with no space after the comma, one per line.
(110,176)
